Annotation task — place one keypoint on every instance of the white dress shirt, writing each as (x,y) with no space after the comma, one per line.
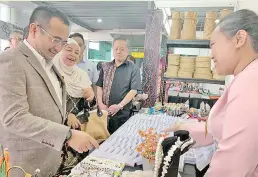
(48,67)
(91,69)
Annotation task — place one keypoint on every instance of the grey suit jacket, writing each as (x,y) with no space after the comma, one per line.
(31,116)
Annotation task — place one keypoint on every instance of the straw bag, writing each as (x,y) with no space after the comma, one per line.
(97,125)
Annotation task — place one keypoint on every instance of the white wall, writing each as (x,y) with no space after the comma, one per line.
(97,36)
(248,4)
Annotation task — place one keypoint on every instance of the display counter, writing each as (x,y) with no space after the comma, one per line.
(121,146)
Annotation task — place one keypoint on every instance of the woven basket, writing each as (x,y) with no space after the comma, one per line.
(209,24)
(203,59)
(203,64)
(173,59)
(185,74)
(188,70)
(189,27)
(203,71)
(191,15)
(172,67)
(223,13)
(176,28)
(186,59)
(202,76)
(171,73)
(187,66)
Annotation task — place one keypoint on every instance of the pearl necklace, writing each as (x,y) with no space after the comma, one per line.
(158,157)
(168,158)
(187,143)
(159,154)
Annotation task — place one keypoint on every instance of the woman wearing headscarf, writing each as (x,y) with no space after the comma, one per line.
(80,97)
(233,121)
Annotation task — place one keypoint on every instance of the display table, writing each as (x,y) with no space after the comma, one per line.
(121,146)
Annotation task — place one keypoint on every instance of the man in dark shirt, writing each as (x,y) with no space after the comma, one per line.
(118,83)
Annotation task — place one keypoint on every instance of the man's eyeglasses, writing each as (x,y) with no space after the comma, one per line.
(56,41)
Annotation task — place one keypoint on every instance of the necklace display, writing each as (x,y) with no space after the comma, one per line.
(121,147)
(172,148)
(168,158)
(97,167)
(158,157)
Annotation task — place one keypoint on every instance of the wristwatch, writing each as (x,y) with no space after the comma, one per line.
(121,106)
(68,136)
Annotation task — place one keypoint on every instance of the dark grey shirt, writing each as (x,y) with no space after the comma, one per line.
(127,77)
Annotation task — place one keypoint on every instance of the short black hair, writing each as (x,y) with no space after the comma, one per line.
(26,32)
(43,14)
(77,35)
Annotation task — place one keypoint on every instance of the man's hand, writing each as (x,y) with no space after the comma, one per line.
(82,142)
(113,109)
(103,107)
(73,121)
(89,94)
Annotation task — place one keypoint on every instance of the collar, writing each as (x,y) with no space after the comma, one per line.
(42,60)
(126,62)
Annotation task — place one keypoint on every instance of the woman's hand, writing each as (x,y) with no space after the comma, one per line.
(73,121)
(89,94)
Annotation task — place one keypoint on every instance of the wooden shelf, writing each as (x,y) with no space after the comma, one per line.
(193,80)
(188,43)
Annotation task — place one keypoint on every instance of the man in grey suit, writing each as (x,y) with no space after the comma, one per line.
(33,98)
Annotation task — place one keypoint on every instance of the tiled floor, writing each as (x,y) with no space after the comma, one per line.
(189,171)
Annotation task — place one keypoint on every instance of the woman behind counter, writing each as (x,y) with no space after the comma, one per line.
(233,120)
(79,96)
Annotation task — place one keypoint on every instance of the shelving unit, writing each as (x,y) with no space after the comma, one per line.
(185,44)
(188,44)
(193,80)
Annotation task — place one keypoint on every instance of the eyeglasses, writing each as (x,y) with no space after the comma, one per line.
(17,39)
(55,40)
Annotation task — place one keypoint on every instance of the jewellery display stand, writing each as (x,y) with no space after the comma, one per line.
(167,157)
(172,158)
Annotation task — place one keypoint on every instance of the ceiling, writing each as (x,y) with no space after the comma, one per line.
(114,14)
(201,11)
(24,9)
